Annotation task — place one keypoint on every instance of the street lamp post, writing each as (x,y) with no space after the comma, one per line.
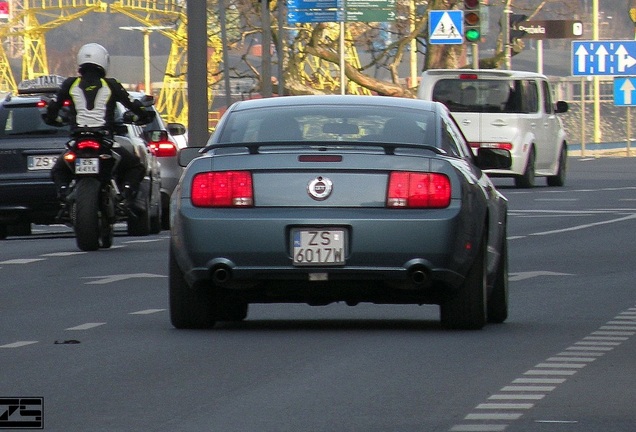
(146,32)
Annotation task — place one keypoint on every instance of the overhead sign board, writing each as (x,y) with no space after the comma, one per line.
(316,11)
(446,27)
(314,16)
(606,58)
(314,4)
(625,91)
(369,15)
(371,4)
(550,29)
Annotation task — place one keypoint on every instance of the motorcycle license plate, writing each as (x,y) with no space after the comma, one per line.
(87,166)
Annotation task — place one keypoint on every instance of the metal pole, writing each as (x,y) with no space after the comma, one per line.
(506,36)
(597,85)
(413,46)
(583,94)
(197,72)
(540,56)
(226,57)
(281,47)
(629,130)
(147,88)
(343,77)
(266,54)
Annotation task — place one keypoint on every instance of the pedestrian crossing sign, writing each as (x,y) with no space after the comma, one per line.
(446,27)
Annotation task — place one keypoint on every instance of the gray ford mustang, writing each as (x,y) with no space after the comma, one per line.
(321,199)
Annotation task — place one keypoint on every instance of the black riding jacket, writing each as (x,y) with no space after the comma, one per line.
(93,99)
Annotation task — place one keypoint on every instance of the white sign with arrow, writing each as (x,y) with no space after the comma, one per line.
(591,58)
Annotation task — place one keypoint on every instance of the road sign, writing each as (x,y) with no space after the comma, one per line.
(314,4)
(369,15)
(371,4)
(446,27)
(550,29)
(604,58)
(314,16)
(624,94)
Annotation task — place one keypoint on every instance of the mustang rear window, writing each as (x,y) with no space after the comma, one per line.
(346,124)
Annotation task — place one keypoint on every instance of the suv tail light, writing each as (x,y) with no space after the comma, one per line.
(492,145)
(222,189)
(418,190)
(163,148)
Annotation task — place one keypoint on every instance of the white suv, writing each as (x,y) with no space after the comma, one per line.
(509,110)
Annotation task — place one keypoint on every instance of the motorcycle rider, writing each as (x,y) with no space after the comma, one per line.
(93,98)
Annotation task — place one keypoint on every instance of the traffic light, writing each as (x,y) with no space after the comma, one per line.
(472,20)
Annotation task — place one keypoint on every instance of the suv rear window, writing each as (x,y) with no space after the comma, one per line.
(27,121)
(487,96)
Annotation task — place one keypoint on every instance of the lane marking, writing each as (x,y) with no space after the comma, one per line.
(120,277)
(567,363)
(86,326)
(146,311)
(18,344)
(519,276)
(580,227)
(145,241)
(62,254)
(22,260)
(479,428)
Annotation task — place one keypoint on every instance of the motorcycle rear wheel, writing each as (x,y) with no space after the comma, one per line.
(86,215)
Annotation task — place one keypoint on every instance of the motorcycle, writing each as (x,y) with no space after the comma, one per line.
(94,201)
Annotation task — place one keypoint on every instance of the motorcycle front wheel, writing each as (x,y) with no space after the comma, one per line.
(86,215)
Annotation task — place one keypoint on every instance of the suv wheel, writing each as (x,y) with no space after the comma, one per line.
(526,180)
(559,178)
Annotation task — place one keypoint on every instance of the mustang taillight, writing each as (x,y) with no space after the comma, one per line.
(492,145)
(88,145)
(418,190)
(163,148)
(223,189)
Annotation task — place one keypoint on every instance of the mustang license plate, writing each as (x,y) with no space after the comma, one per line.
(41,162)
(318,246)
(87,166)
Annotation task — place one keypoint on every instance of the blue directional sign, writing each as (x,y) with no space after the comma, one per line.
(446,27)
(603,58)
(624,91)
(314,16)
(314,4)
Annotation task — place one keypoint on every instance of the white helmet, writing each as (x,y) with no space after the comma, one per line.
(93,53)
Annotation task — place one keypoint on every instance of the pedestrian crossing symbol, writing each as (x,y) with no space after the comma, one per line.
(446,27)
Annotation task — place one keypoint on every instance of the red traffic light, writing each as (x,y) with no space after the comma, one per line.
(471,4)
(471,18)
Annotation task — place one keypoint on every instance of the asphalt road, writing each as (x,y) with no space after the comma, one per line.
(85,338)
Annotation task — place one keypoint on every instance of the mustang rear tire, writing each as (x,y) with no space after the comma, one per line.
(466,309)
(498,300)
(190,307)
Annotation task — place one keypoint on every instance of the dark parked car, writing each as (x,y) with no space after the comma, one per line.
(320,199)
(29,148)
